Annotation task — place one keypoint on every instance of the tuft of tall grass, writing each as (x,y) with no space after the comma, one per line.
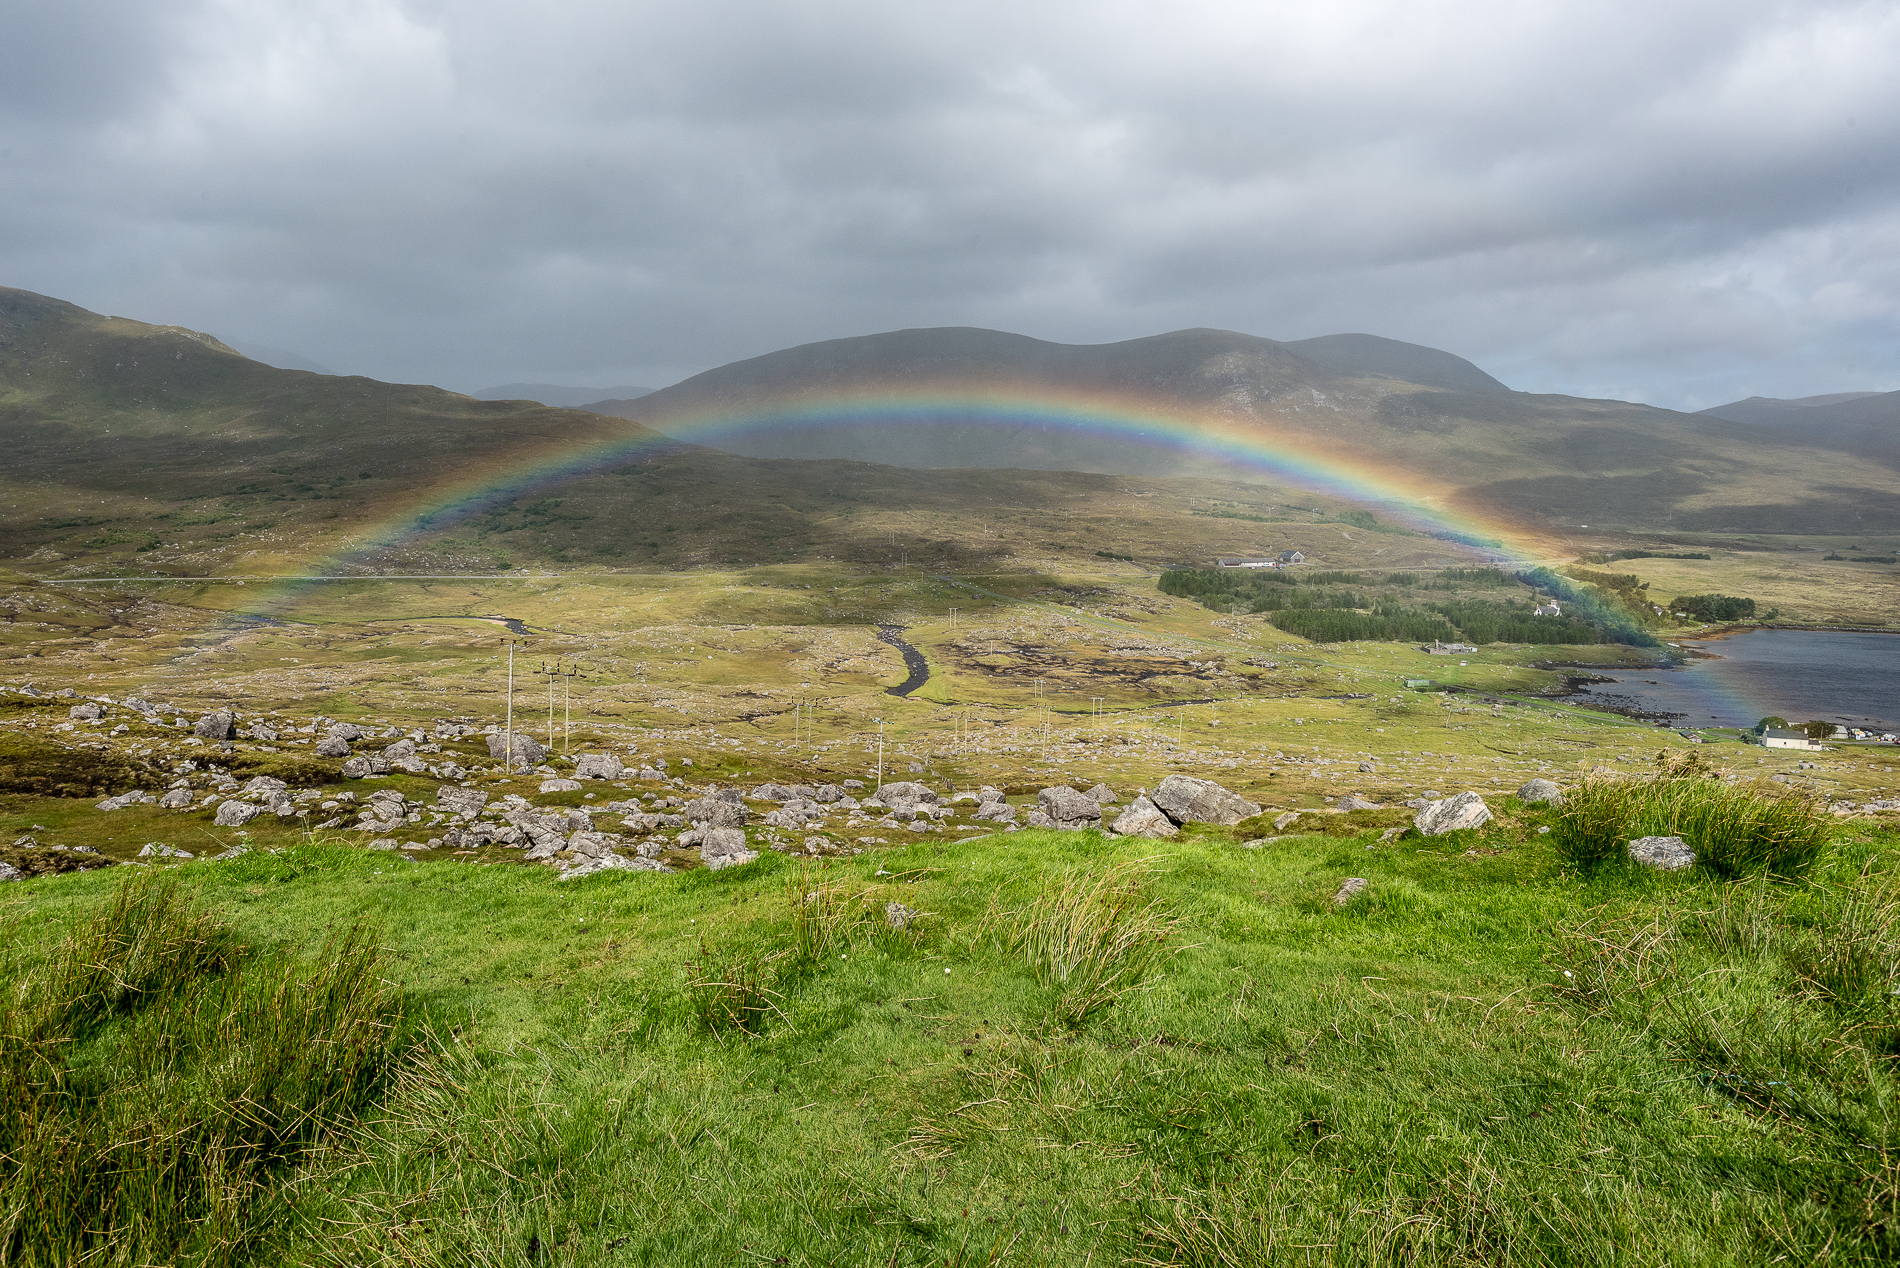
(1734,831)
(733,992)
(159,1082)
(1094,938)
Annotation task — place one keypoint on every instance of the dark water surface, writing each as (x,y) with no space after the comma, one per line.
(1796,674)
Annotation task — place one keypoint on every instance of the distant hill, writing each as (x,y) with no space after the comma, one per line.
(278,357)
(1866,424)
(558,396)
(1543,459)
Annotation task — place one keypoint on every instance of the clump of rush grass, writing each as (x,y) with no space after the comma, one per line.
(732,993)
(827,920)
(162,1082)
(1094,938)
(1734,830)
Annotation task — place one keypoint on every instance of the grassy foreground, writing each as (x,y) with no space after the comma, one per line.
(1076,1051)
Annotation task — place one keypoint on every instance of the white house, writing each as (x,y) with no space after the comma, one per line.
(1775,737)
(1292,557)
(1548,608)
(1248,563)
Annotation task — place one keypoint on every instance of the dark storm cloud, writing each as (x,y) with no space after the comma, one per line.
(1681,203)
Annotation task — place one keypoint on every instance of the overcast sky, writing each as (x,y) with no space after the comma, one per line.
(1681,203)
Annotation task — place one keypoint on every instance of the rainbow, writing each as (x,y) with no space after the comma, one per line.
(1241,444)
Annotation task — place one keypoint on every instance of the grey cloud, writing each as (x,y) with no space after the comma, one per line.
(1683,204)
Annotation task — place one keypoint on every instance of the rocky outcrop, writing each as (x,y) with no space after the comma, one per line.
(364,767)
(904,795)
(560,785)
(1349,889)
(216,726)
(996,812)
(1185,799)
(598,766)
(159,850)
(85,713)
(1144,819)
(1102,795)
(527,752)
(235,814)
(715,812)
(332,746)
(175,799)
(1068,809)
(1353,801)
(723,847)
(120,802)
(461,801)
(1464,810)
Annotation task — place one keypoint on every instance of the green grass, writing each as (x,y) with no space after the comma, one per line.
(1074,1050)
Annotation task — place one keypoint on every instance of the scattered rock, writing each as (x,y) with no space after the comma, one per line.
(905,795)
(1397,830)
(1352,887)
(714,812)
(332,746)
(1102,794)
(724,847)
(261,732)
(176,799)
(1281,822)
(527,752)
(159,850)
(1353,801)
(1463,810)
(826,794)
(898,916)
(1185,799)
(400,751)
(1540,792)
(235,814)
(120,802)
(560,785)
(1037,819)
(364,767)
(612,863)
(461,801)
(1143,819)
(345,731)
(1070,810)
(216,726)
(385,843)
(1665,854)
(998,811)
(598,766)
(85,712)
(1367,768)
(8,872)
(262,785)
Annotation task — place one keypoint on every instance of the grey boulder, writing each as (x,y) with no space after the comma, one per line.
(216,726)
(332,746)
(611,863)
(1665,854)
(461,801)
(85,712)
(345,731)
(714,812)
(527,752)
(159,850)
(598,766)
(120,802)
(1144,819)
(1102,795)
(904,795)
(724,847)
(1353,801)
(1462,810)
(234,814)
(1069,809)
(996,812)
(1540,792)
(1185,799)
(176,799)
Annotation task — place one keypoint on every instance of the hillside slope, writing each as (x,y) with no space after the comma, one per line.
(1863,423)
(962,397)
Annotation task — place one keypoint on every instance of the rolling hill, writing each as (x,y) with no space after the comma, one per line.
(1863,423)
(962,397)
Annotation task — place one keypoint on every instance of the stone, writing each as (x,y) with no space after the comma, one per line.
(332,746)
(1353,801)
(1462,810)
(282,806)
(904,795)
(598,766)
(714,812)
(1367,768)
(1665,854)
(216,726)
(1541,792)
(1185,799)
(589,844)
(1397,830)
(8,872)
(1071,810)
(400,751)
(996,812)
(85,712)
(560,785)
(385,843)
(1349,889)
(988,794)
(1144,819)
(261,732)
(1102,795)
(611,863)
(1037,819)
(176,799)
(900,917)
(159,850)
(1282,822)
(364,767)
(345,731)
(826,794)
(527,752)
(120,802)
(461,801)
(262,785)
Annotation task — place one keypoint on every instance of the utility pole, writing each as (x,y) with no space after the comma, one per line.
(880,753)
(567,706)
(508,759)
(552,671)
(953,617)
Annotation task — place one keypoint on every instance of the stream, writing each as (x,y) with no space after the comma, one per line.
(913,661)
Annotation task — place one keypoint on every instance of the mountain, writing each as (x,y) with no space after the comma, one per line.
(279,357)
(1393,412)
(561,397)
(1866,424)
